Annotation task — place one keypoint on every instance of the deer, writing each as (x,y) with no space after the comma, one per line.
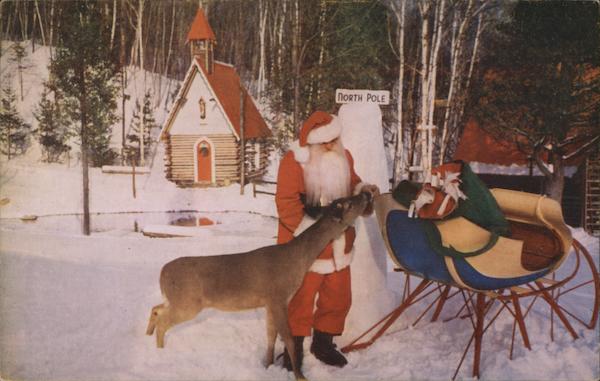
(263,278)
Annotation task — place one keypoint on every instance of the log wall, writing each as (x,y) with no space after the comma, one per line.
(179,158)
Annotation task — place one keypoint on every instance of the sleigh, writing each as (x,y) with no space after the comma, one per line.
(539,243)
(488,274)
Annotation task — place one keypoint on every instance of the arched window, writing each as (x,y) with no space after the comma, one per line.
(204,149)
(202,105)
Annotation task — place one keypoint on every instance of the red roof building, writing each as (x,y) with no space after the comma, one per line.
(476,145)
(207,141)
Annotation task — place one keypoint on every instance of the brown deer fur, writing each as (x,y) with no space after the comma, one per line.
(266,277)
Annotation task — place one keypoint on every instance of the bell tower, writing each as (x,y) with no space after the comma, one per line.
(202,40)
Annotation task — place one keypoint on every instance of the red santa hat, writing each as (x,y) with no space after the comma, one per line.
(320,127)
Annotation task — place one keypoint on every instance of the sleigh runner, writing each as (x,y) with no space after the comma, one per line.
(495,263)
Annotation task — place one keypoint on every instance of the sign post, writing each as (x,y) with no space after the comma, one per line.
(378,97)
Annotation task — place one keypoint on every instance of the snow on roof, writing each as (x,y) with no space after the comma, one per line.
(200,29)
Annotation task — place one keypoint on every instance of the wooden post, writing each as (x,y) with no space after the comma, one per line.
(142,132)
(133,176)
(242,141)
(124,99)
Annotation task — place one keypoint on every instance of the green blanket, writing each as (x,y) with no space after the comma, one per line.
(480,207)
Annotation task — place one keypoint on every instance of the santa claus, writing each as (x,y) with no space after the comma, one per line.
(314,172)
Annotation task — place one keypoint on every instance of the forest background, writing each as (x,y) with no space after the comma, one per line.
(292,55)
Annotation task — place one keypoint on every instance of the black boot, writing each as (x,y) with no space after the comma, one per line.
(299,347)
(324,349)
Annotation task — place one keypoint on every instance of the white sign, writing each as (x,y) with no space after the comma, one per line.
(380,97)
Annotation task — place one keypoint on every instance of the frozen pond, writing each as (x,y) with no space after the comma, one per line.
(230,222)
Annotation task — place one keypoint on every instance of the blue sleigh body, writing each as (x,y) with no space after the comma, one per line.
(500,266)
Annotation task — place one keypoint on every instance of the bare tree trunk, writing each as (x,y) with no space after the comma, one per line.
(555,185)
(170,38)
(114,25)
(262,48)
(51,37)
(424,7)
(455,75)
(84,152)
(133,187)
(8,143)
(296,65)
(158,97)
(430,46)
(123,78)
(457,116)
(474,53)
(321,48)
(142,145)
(399,167)
(39,16)
(22,13)
(554,178)
(280,44)
(431,93)
(140,23)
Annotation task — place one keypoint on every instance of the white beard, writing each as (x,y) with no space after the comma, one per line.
(326,175)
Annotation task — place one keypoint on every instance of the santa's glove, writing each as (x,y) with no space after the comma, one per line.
(373,191)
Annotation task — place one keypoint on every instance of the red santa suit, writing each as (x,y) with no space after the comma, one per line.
(329,276)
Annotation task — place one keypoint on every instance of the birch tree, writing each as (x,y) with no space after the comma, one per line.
(263,11)
(430,45)
(399,9)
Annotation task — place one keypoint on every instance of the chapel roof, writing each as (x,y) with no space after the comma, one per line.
(226,84)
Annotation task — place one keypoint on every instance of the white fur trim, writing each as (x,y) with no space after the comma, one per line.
(442,207)
(301,154)
(322,266)
(327,266)
(451,184)
(425,197)
(339,261)
(358,188)
(325,133)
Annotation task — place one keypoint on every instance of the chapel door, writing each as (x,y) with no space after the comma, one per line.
(204,162)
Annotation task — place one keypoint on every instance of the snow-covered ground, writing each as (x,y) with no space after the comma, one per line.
(75,307)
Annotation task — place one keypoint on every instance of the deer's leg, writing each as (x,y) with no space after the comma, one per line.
(170,316)
(271,337)
(281,324)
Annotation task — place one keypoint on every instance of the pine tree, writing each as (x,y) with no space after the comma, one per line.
(53,127)
(84,74)
(14,132)
(19,58)
(544,85)
(144,121)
